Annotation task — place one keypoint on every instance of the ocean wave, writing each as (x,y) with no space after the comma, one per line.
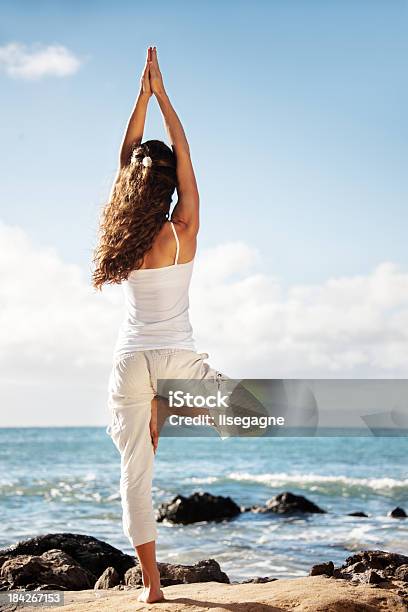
(326,484)
(69,490)
(329,485)
(202,480)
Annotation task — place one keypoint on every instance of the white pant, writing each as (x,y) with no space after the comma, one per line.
(132,386)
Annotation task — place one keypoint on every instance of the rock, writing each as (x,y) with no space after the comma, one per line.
(207,570)
(289,503)
(52,567)
(24,566)
(401,573)
(357,568)
(361,514)
(46,587)
(322,568)
(133,577)
(108,580)
(198,507)
(92,554)
(374,578)
(373,567)
(258,580)
(398,513)
(203,571)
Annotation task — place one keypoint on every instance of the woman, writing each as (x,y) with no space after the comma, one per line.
(152,257)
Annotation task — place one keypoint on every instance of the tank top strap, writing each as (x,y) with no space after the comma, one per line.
(177,243)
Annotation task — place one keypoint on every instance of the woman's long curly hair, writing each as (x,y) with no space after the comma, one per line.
(138,208)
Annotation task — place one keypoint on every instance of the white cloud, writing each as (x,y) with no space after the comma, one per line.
(20,61)
(52,323)
(345,327)
(57,333)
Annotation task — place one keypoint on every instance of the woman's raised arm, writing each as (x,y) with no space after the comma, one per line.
(186,211)
(135,127)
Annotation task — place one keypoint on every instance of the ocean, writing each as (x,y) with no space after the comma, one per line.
(67,479)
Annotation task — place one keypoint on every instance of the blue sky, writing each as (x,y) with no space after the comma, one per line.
(295,111)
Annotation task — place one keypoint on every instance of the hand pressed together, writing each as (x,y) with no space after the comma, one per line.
(151,81)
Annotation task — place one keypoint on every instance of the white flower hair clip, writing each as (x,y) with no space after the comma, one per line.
(146,161)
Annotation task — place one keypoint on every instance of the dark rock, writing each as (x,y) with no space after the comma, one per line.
(52,567)
(374,578)
(289,503)
(46,587)
(322,569)
(203,571)
(398,513)
(258,580)
(30,565)
(198,507)
(377,559)
(108,580)
(361,514)
(401,573)
(357,568)
(133,577)
(92,554)
(373,567)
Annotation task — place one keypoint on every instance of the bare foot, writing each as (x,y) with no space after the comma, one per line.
(151,595)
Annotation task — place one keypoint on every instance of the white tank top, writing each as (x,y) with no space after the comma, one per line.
(157,303)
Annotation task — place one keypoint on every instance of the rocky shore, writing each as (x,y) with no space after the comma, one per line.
(97,576)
